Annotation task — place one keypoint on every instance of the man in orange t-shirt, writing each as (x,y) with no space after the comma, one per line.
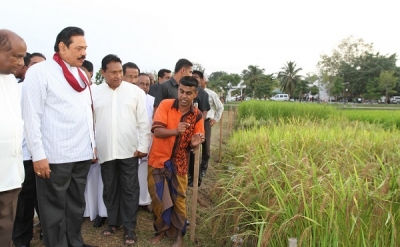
(178,127)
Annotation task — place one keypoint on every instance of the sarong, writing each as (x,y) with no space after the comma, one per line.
(168,194)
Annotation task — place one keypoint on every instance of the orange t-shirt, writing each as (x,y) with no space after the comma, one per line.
(174,148)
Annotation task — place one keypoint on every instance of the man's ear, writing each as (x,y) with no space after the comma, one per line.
(62,47)
(102,72)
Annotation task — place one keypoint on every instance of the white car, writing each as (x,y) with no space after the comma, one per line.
(395,100)
(280,97)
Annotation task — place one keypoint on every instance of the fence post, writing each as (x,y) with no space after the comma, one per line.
(220,136)
(292,242)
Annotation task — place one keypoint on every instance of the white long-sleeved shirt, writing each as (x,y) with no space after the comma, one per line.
(150,109)
(11,132)
(216,105)
(25,151)
(59,119)
(119,114)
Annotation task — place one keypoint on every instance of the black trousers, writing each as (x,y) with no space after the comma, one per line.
(23,224)
(121,191)
(8,209)
(62,203)
(205,154)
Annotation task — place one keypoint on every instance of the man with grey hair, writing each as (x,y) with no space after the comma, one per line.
(12,53)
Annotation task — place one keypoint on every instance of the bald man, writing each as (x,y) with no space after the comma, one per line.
(12,52)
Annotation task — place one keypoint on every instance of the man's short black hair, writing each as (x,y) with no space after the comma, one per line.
(129,65)
(182,63)
(38,54)
(161,72)
(189,82)
(145,74)
(108,59)
(199,73)
(65,36)
(27,59)
(88,65)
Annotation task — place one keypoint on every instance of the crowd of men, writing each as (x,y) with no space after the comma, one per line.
(71,149)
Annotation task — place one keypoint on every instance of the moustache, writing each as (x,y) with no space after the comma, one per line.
(82,58)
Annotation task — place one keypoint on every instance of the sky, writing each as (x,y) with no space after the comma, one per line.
(220,35)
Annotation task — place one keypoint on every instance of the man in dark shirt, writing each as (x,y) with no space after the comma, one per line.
(163,75)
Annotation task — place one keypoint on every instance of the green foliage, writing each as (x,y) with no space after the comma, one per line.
(302,88)
(98,79)
(326,182)
(363,76)
(289,77)
(220,79)
(270,110)
(387,82)
(258,84)
(346,52)
(387,119)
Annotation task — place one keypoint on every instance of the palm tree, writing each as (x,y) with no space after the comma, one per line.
(288,77)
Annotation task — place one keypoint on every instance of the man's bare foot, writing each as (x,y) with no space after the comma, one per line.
(156,239)
(179,241)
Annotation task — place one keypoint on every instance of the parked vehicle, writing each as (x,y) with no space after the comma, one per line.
(395,100)
(280,97)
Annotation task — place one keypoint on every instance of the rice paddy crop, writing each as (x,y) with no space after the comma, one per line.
(313,175)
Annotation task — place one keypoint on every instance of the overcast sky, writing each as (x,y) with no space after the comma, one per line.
(221,35)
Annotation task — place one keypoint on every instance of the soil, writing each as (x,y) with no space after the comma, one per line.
(145,230)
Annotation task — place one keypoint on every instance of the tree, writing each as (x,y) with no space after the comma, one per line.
(289,77)
(387,81)
(220,79)
(263,87)
(347,52)
(98,77)
(302,88)
(252,76)
(197,66)
(363,75)
(336,87)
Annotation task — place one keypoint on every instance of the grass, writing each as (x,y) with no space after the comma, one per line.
(329,182)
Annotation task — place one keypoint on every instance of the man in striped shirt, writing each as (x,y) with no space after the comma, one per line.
(57,110)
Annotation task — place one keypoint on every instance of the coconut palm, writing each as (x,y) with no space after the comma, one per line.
(289,77)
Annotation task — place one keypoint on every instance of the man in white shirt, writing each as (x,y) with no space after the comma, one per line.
(57,110)
(120,111)
(12,52)
(213,116)
(95,208)
(144,82)
(27,199)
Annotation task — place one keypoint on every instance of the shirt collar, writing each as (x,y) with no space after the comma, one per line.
(173,82)
(176,106)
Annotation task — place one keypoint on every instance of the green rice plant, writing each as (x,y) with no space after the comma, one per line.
(324,182)
(388,119)
(268,110)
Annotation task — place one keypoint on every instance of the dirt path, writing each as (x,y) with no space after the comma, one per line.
(144,227)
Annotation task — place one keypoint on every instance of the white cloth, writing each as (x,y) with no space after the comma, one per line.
(12,172)
(59,119)
(144,197)
(25,151)
(216,105)
(94,194)
(118,114)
